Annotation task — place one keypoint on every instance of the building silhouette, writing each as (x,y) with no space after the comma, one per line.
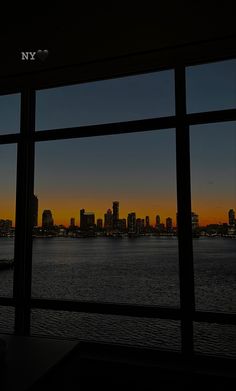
(231,215)
(122,225)
(87,220)
(82,211)
(72,222)
(169,224)
(99,224)
(108,220)
(47,219)
(115,208)
(131,222)
(158,221)
(140,226)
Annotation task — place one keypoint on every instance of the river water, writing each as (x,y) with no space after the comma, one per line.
(141,270)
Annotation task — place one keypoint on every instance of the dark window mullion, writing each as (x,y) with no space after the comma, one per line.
(184,215)
(107,308)
(23,234)
(106,129)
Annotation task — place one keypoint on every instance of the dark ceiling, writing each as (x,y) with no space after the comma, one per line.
(108,34)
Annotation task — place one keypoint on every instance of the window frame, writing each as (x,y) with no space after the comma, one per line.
(26,139)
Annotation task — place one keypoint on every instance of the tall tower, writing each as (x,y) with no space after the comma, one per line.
(131,222)
(108,220)
(99,224)
(231,215)
(82,223)
(169,225)
(158,221)
(47,219)
(72,222)
(115,214)
(35,211)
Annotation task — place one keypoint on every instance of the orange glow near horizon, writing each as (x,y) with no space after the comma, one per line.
(63,209)
(207,215)
(63,215)
(7,210)
(64,218)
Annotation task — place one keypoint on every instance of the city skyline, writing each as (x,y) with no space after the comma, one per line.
(147,190)
(209,197)
(139,169)
(229,217)
(112,213)
(67,216)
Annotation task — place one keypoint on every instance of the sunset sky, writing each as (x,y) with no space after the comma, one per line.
(139,170)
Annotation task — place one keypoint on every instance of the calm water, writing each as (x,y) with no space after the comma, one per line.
(139,271)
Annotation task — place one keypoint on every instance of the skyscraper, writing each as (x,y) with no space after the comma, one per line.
(115,208)
(108,220)
(99,224)
(122,225)
(47,219)
(82,211)
(139,226)
(87,220)
(72,222)
(158,221)
(131,222)
(169,225)
(35,211)
(231,215)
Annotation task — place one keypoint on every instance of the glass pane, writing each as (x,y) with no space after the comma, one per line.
(101,236)
(7,315)
(114,100)
(213,170)
(215,339)
(7,217)
(9,114)
(141,332)
(211,86)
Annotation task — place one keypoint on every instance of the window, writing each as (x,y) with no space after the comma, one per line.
(117,177)
(142,332)
(7,319)
(211,86)
(128,98)
(9,113)
(213,166)
(213,173)
(105,296)
(7,217)
(214,339)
